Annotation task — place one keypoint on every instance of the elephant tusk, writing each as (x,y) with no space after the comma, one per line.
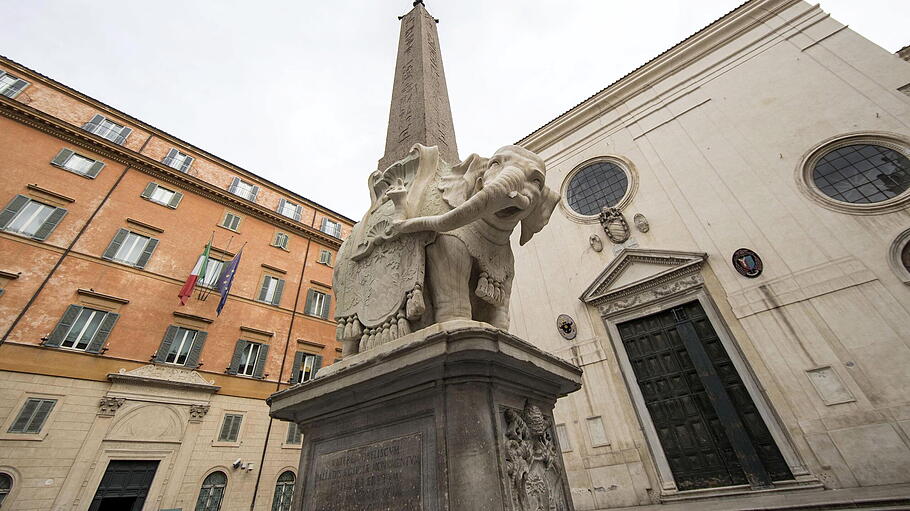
(513,194)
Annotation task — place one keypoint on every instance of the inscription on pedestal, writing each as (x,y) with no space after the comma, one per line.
(379,476)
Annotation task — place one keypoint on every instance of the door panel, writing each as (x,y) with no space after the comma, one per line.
(125,485)
(685,413)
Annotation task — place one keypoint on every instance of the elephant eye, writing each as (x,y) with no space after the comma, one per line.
(538,182)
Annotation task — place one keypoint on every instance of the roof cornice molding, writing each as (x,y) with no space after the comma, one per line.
(743,18)
(53,126)
(178,143)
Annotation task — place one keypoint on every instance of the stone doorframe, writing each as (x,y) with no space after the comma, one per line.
(665,279)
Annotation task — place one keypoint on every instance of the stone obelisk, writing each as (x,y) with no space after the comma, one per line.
(420,111)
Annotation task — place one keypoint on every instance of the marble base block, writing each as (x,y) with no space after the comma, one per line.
(457,417)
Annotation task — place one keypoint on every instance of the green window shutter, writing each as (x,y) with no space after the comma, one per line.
(12,209)
(295,371)
(92,125)
(41,414)
(115,244)
(260,362)
(308,308)
(170,156)
(276,298)
(147,253)
(186,164)
(317,364)
(281,203)
(56,337)
(192,361)
(124,133)
(298,212)
(265,288)
(95,169)
(325,308)
(175,200)
(253,193)
(107,324)
(50,224)
(235,359)
(15,88)
(62,156)
(235,428)
(25,416)
(234,183)
(169,335)
(149,190)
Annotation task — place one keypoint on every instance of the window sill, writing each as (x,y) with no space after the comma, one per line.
(282,248)
(268,303)
(24,437)
(124,263)
(71,171)
(153,201)
(228,228)
(216,443)
(292,446)
(325,264)
(22,235)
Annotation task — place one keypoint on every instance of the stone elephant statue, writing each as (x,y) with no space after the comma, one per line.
(435,244)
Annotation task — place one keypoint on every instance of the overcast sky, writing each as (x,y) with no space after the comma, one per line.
(298,91)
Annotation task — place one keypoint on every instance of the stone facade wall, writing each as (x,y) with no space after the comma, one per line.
(715,133)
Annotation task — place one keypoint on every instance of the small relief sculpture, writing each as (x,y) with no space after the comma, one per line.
(434,245)
(614,224)
(641,223)
(596,243)
(197,412)
(108,406)
(566,326)
(532,462)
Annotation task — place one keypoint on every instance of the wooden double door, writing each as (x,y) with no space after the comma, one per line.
(124,486)
(708,426)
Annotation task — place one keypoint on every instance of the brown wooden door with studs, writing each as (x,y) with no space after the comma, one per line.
(708,425)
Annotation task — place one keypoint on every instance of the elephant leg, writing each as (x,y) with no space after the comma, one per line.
(498,315)
(449,273)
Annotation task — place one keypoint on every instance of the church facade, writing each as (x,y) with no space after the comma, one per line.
(729,264)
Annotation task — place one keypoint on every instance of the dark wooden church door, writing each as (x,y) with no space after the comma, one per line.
(124,486)
(708,425)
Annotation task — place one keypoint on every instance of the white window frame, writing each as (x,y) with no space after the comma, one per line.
(244,189)
(227,225)
(11,81)
(288,209)
(271,290)
(331,227)
(123,253)
(234,415)
(248,359)
(319,301)
(165,202)
(30,221)
(74,344)
(184,341)
(210,279)
(26,429)
(177,160)
(87,163)
(109,130)
(309,360)
(325,257)
(277,242)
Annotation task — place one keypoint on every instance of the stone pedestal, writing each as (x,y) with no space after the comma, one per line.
(456,417)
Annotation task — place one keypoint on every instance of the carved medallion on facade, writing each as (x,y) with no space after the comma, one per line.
(596,243)
(566,326)
(641,223)
(533,470)
(614,224)
(747,263)
(197,412)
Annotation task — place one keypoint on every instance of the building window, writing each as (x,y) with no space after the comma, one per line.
(212,272)
(294,437)
(249,359)
(130,248)
(562,434)
(596,429)
(271,290)
(862,173)
(108,129)
(284,492)
(68,159)
(899,256)
(244,189)
(325,257)
(32,416)
(177,160)
(230,427)
(596,185)
(305,366)
(6,486)
(289,209)
(82,329)
(281,240)
(30,218)
(164,196)
(181,346)
(10,86)
(230,221)
(212,492)
(317,304)
(331,227)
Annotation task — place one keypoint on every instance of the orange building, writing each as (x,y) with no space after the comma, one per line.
(104,376)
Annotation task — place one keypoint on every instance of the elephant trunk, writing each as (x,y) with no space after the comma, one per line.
(499,193)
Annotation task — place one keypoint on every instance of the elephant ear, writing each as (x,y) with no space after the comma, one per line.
(463,181)
(539,216)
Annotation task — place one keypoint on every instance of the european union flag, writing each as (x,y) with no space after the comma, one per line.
(227,278)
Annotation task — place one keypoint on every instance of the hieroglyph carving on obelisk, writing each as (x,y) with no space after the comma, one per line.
(420,111)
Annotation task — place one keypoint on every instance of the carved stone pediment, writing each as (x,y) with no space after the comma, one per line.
(639,276)
(159,375)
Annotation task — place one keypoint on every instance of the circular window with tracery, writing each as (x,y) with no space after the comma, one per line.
(595,185)
(860,173)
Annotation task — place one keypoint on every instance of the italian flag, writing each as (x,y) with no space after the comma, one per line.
(187,290)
